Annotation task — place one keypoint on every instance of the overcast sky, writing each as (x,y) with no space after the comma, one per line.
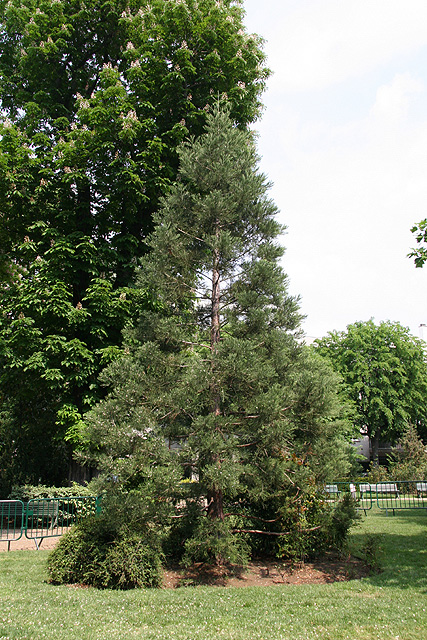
(344,140)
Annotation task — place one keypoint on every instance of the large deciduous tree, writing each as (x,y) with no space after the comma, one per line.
(95,96)
(384,369)
(218,367)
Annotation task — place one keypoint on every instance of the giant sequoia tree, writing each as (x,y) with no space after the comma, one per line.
(217,366)
(95,96)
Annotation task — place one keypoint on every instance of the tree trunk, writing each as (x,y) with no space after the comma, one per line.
(215,497)
(375,448)
(215,314)
(215,504)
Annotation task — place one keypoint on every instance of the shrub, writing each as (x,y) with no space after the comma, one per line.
(313,526)
(131,563)
(120,548)
(372,550)
(213,542)
(97,553)
(27,492)
(377,473)
(343,516)
(410,462)
(79,555)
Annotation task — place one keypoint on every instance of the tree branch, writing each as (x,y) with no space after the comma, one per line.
(197,344)
(190,235)
(274,533)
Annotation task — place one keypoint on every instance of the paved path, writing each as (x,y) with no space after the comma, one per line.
(24,544)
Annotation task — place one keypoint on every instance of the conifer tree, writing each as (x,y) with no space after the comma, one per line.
(215,258)
(218,366)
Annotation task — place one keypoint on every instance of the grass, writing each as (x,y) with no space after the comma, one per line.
(389,605)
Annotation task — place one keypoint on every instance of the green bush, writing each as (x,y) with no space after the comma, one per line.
(342,518)
(377,473)
(213,542)
(121,548)
(131,563)
(77,555)
(98,553)
(372,551)
(27,492)
(410,462)
(311,525)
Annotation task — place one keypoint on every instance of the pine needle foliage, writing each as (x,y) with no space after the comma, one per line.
(216,367)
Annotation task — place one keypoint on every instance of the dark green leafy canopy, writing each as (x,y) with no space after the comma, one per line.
(385,372)
(95,98)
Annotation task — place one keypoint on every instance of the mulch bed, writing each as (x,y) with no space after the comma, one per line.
(265,572)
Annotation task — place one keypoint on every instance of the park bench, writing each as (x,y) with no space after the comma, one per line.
(387,488)
(37,512)
(421,488)
(332,490)
(42,514)
(364,488)
(36,518)
(12,512)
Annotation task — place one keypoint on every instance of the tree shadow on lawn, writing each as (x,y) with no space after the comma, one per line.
(402,559)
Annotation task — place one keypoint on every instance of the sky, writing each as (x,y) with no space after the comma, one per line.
(343,138)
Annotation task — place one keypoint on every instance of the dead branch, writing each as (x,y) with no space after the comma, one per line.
(274,533)
(197,344)
(190,235)
(241,515)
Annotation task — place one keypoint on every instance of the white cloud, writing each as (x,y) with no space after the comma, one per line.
(323,42)
(393,100)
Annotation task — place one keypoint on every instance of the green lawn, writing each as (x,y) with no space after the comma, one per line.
(391,605)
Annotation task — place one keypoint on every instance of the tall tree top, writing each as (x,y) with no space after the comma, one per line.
(95,98)
(385,371)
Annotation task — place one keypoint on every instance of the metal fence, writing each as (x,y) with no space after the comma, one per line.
(12,516)
(43,517)
(387,496)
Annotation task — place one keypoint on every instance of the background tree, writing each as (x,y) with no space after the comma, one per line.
(420,252)
(95,98)
(409,462)
(385,373)
(218,366)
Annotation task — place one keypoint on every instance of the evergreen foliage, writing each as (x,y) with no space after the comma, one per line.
(217,369)
(95,98)
(410,461)
(99,553)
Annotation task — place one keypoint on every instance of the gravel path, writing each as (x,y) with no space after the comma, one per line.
(25,544)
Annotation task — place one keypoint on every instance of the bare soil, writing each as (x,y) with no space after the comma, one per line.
(262,572)
(267,572)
